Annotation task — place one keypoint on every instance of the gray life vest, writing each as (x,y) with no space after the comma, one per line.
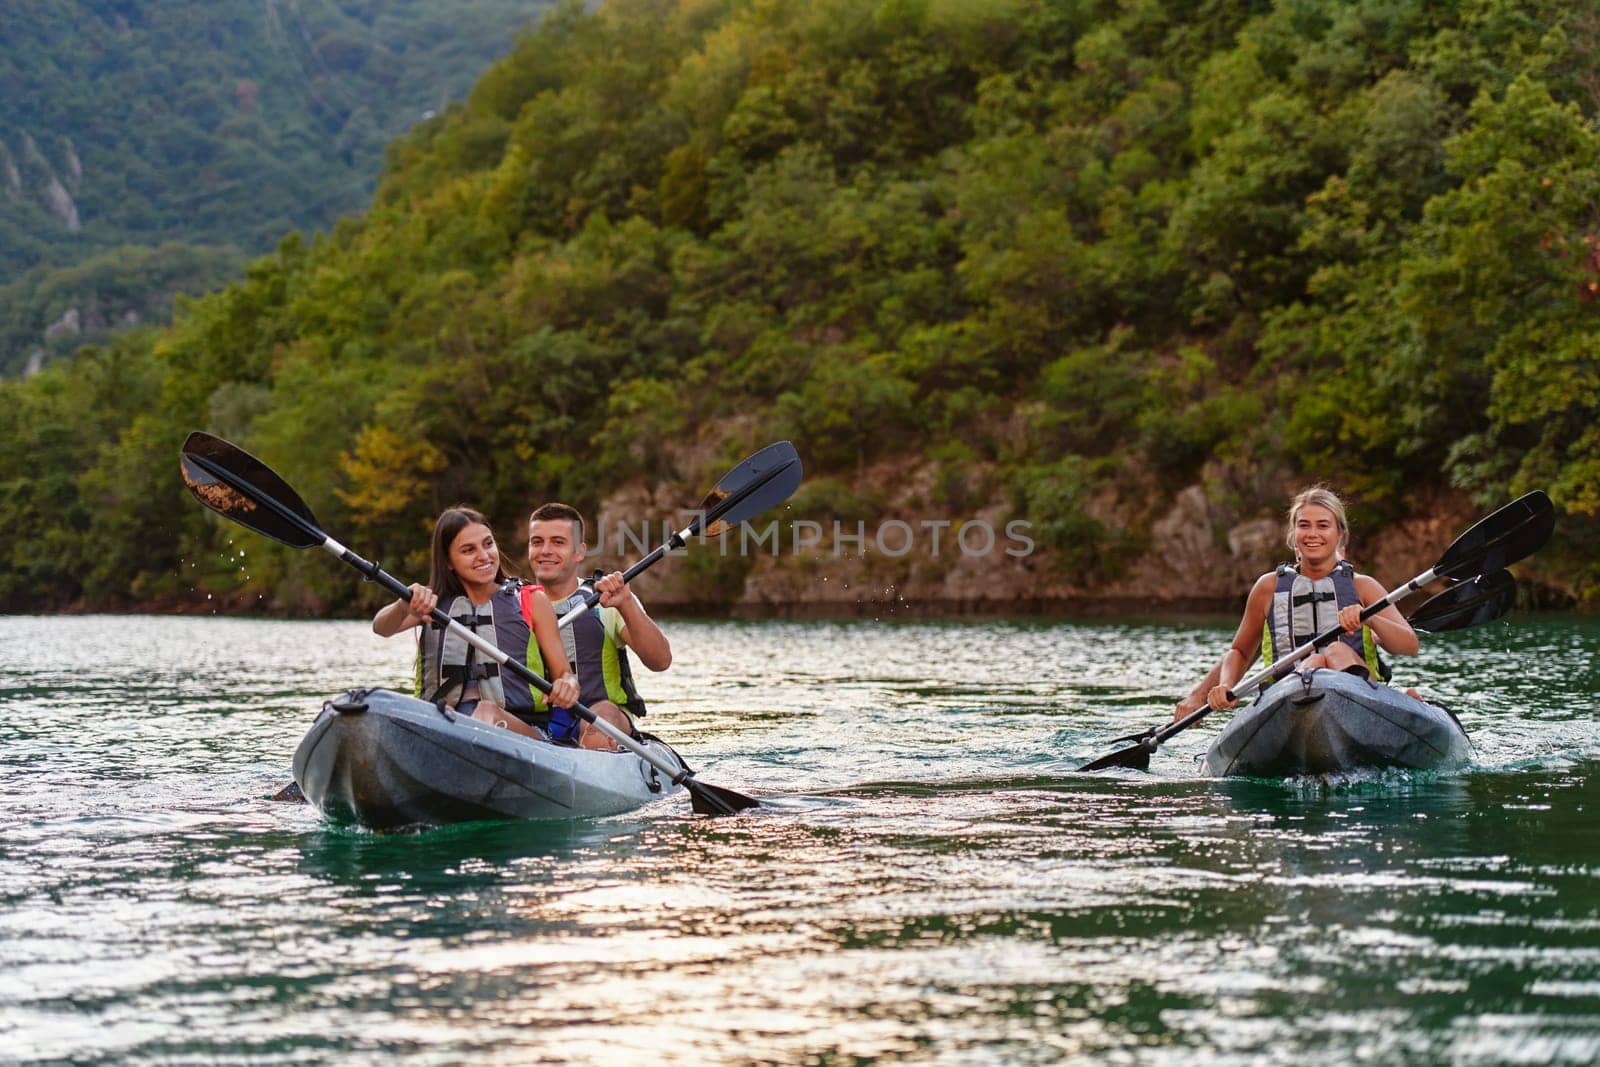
(447,666)
(595,650)
(1302,608)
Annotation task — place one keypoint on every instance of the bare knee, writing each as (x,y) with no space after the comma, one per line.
(1338,657)
(1341,657)
(493,714)
(590,736)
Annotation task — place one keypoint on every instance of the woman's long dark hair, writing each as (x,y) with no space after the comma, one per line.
(441,579)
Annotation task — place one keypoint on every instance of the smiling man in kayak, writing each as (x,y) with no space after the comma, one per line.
(597,642)
(1292,604)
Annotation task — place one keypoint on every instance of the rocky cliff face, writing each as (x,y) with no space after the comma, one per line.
(36,175)
(10,176)
(76,322)
(1202,554)
(91,319)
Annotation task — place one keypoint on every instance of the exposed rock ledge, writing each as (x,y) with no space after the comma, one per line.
(1202,557)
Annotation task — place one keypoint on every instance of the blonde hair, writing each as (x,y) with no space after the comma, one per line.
(1321,496)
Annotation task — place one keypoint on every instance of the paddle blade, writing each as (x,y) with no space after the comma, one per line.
(1514,532)
(238,486)
(1484,599)
(715,800)
(762,481)
(1134,757)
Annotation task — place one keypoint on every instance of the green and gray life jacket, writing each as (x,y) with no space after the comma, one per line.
(595,650)
(1303,608)
(447,665)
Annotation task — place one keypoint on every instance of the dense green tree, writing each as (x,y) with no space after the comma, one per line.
(1073,256)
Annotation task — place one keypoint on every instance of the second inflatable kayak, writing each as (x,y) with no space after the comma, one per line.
(387,760)
(1330,722)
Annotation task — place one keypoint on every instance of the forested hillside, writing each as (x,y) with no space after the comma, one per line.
(224,124)
(1063,259)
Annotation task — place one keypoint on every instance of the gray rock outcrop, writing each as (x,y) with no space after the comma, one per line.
(10,176)
(74,165)
(59,203)
(70,322)
(52,193)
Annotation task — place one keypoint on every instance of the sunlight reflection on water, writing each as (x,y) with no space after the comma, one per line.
(931,880)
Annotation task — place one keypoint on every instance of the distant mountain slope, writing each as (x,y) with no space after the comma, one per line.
(51,312)
(230,122)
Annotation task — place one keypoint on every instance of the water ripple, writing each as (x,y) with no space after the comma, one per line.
(931,879)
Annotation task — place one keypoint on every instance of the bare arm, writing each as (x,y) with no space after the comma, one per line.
(564,689)
(1390,627)
(1246,642)
(1196,698)
(401,615)
(639,630)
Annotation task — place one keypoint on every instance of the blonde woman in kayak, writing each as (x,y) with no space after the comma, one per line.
(1294,603)
(466,576)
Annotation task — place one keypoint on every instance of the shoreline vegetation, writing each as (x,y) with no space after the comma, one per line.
(1089,610)
(1066,609)
(1126,274)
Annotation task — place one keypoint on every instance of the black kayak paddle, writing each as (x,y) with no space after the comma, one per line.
(1498,540)
(1472,603)
(238,486)
(762,481)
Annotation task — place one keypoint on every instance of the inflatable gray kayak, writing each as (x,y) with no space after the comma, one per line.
(1330,722)
(387,760)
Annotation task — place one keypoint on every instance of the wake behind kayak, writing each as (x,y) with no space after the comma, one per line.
(1331,722)
(386,760)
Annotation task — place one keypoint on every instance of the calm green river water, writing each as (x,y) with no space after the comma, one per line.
(934,883)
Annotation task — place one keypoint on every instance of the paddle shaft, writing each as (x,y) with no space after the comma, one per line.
(761,481)
(375,573)
(676,541)
(587,593)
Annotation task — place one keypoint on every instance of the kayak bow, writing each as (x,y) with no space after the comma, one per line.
(386,760)
(1331,722)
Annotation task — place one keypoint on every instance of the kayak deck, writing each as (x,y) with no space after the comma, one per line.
(386,760)
(1331,722)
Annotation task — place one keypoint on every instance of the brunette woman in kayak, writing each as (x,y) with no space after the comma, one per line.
(1294,603)
(466,574)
